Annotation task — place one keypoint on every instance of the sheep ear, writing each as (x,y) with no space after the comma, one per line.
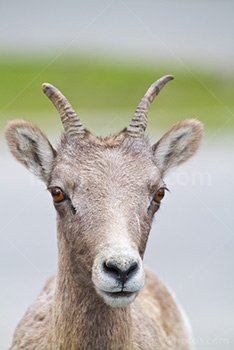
(178,144)
(31,148)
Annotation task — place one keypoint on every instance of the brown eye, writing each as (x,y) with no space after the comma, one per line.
(159,195)
(57,194)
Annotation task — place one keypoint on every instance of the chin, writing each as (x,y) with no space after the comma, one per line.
(117,299)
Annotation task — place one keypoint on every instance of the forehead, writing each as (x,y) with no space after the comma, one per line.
(127,161)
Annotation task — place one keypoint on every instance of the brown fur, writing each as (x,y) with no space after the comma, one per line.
(82,321)
(110,183)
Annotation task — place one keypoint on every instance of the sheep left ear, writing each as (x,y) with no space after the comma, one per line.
(178,144)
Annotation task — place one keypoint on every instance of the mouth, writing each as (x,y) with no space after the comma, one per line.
(118,299)
(121,294)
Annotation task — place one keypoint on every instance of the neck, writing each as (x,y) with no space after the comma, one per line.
(81,320)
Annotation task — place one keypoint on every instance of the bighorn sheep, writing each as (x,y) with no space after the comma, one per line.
(106,192)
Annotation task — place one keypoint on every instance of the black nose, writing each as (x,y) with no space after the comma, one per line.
(121,274)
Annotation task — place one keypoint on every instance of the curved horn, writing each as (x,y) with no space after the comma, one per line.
(138,123)
(71,122)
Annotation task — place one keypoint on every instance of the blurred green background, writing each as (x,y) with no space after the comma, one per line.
(104,55)
(107,90)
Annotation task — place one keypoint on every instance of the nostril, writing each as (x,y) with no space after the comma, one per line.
(132,269)
(112,269)
(119,273)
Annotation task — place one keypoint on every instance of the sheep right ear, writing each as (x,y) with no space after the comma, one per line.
(31,148)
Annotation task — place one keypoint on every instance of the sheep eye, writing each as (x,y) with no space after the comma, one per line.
(57,194)
(159,195)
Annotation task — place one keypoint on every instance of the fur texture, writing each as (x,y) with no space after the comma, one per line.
(109,186)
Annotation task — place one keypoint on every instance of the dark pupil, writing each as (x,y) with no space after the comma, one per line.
(160,194)
(56,193)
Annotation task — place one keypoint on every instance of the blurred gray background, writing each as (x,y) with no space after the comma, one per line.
(192,240)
